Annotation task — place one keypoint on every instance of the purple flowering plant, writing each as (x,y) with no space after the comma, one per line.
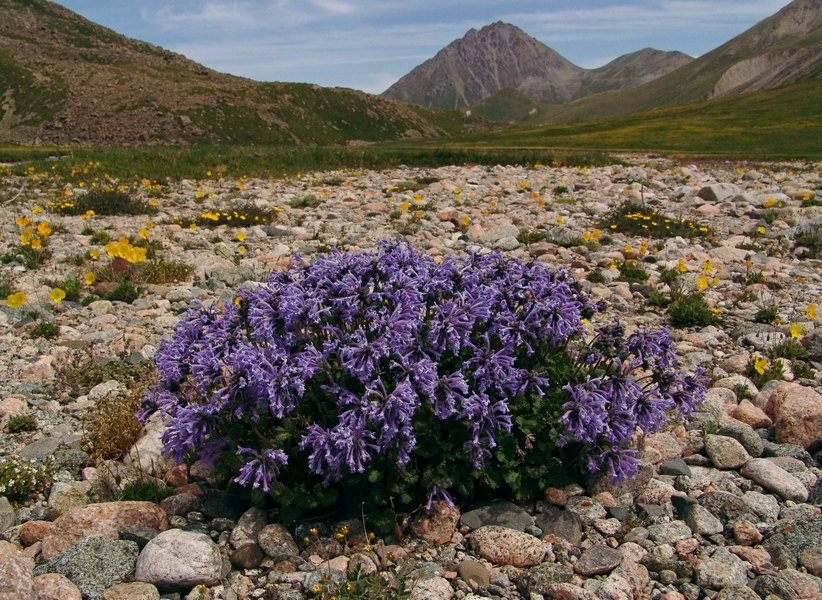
(387,378)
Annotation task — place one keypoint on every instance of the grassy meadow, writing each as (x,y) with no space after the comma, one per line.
(781,123)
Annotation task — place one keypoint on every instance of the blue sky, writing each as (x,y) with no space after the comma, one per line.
(369,44)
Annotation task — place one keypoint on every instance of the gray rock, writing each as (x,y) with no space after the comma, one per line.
(276,542)
(538,579)
(744,434)
(471,570)
(775,479)
(597,560)
(725,452)
(669,533)
(65,496)
(718,192)
(502,513)
(177,559)
(329,578)
(737,593)
(7,518)
(675,466)
(46,446)
(94,564)
(722,570)
(726,506)
(800,536)
(701,521)
(506,243)
(561,523)
(500,232)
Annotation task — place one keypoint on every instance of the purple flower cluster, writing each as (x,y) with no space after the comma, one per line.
(347,355)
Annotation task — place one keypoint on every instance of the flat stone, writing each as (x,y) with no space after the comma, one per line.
(435,588)
(107,519)
(53,586)
(811,559)
(132,591)
(775,479)
(744,434)
(539,579)
(669,533)
(725,452)
(722,570)
(15,576)
(178,559)
(438,525)
(7,518)
(561,523)
(502,513)
(277,543)
(597,560)
(701,521)
(471,570)
(675,466)
(94,564)
(504,546)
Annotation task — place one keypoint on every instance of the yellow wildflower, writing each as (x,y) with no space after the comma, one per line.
(241,236)
(628,248)
(23,222)
(144,234)
(811,311)
(94,254)
(559,219)
(36,243)
(87,214)
(595,235)
(192,227)
(88,278)
(417,198)
(404,206)
(241,249)
(586,236)
(465,221)
(760,364)
(702,283)
(761,229)
(708,267)
(36,210)
(418,214)
(16,300)
(681,266)
(57,295)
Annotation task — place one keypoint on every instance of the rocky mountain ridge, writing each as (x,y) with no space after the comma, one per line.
(501,56)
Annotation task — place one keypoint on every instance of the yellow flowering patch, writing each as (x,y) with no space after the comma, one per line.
(88,278)
(811,311)
(122,248)
(681,266)
(57,295)
(796,330)
(241,236)
(760,364)
(16,300)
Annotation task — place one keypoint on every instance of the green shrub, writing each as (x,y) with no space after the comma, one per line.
(306,201)
(6,285)
(560,189)
(630,271)
(658,299)
(44,329)
(596,277)
(21,478)
(83,374)
(689,310)
(527,237)
(110,427)
(790,349)
(103,202)
(100,238)
(27,256)
(768,314)
(18,423)
(359,586)
(125,292)
(144,490)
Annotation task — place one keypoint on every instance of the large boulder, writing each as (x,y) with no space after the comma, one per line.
(797,414)
(179,560)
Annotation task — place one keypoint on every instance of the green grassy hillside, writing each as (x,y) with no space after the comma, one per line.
(784,122)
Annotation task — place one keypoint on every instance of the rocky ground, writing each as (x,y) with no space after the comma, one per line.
(726,506)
